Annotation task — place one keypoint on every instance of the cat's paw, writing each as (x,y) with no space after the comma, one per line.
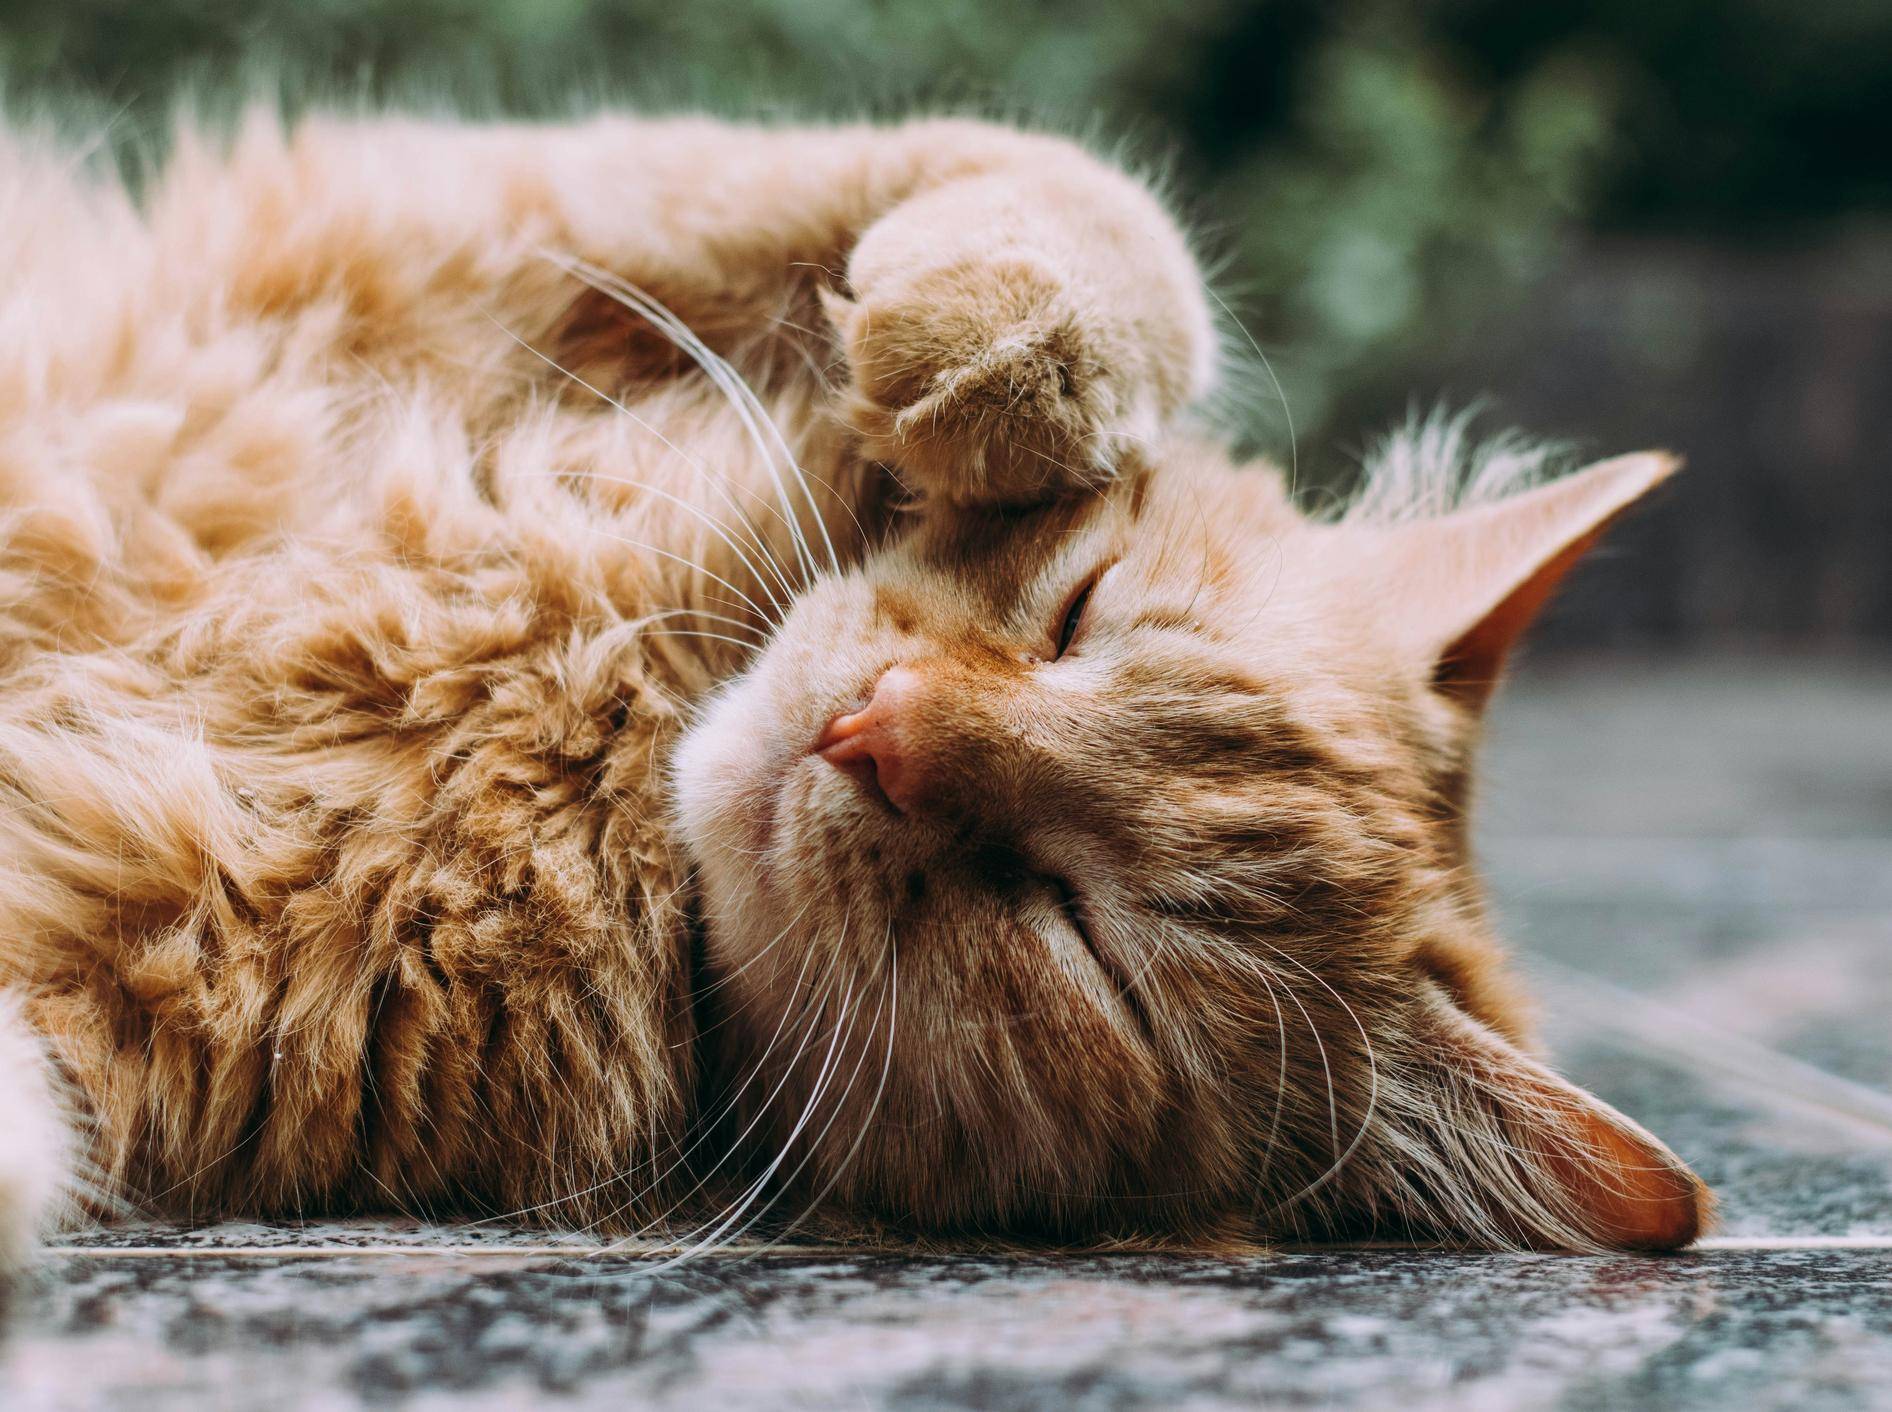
(19,1235)
(990,382)
(36,1150)
(30,1186)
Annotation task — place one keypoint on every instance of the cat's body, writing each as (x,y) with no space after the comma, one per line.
(370,547)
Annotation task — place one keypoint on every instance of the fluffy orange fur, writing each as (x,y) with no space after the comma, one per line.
(431,555)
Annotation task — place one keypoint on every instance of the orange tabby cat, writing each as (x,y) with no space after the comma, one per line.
(464,748)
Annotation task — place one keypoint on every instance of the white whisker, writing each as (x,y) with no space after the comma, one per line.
(716,527)
(745,644)
(756,1119)
(891,1000)
(747,405)
(741,624)
(1373,1085)
(690,564)
(703,1134)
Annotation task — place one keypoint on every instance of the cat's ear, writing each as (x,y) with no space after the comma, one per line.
(1497,1147)
(1470,583)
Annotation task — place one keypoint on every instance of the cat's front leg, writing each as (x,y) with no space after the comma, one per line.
(36,1141)
(1014,333)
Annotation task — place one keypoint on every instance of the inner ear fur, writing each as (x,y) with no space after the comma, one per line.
(1499,1149)
(1463,588)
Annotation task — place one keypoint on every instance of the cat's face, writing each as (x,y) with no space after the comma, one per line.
(1096,868)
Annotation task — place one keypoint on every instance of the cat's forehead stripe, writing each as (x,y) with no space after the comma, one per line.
(1014,545)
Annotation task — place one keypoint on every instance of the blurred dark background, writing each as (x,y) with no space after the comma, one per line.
(1629,222)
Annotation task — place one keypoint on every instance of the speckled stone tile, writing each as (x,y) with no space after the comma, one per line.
(377,1233)
(1786,1329)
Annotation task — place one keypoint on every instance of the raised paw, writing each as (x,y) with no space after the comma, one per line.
(35,1142)
(991,382)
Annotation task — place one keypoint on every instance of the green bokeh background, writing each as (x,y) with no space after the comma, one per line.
(1634,221)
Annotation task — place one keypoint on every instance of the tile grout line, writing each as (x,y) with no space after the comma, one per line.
(1867,1242)
(1712,1245)
(1565,842)
(324,1252)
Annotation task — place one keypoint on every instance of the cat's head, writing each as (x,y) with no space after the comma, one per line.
(1101,868)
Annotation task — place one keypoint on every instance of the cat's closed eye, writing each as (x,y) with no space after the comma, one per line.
(1070,905)
(1073,618)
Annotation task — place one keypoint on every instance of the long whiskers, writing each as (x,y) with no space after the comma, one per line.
(705,1129)
(733,1219)
(742,399)
(770,581)
(1294,449)
(689,563)
(889,999)
(822,988)
(745,644)
(1373,1085)
(757,637)
(890,994)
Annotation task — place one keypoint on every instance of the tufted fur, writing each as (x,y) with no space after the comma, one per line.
(372,539)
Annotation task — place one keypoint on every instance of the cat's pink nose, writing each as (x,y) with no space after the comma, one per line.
(873,745)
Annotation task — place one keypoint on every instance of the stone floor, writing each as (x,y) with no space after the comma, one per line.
(1697,865)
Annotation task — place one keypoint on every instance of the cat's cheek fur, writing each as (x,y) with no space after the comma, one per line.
(37,1156)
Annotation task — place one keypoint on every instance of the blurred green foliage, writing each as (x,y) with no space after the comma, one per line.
(1372,178)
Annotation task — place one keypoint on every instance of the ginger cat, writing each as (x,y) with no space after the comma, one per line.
(633,672)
